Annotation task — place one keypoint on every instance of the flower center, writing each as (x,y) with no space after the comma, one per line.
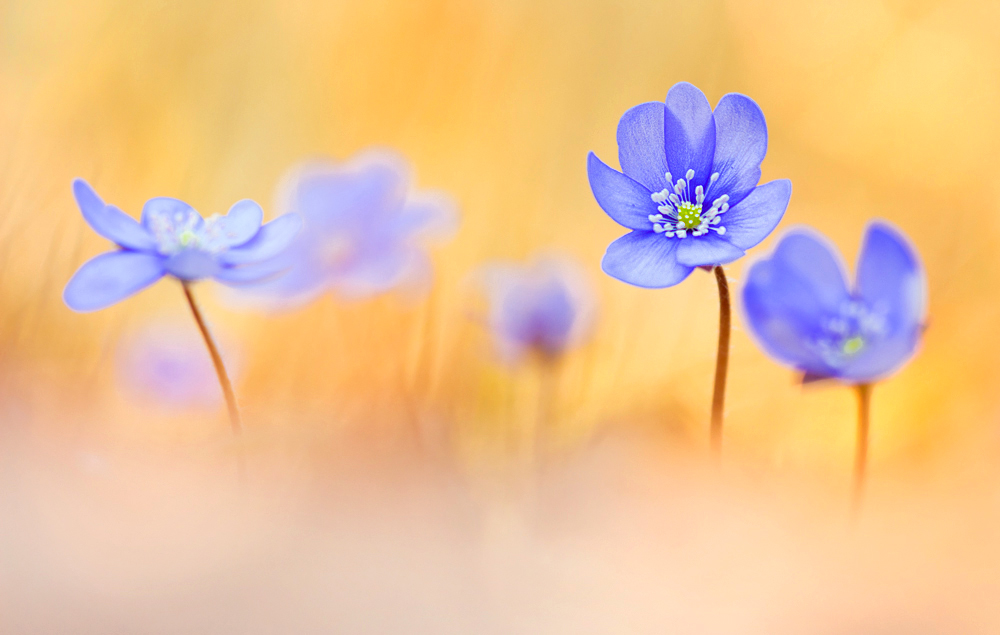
(680,214)
(849,332)
(689,214)
(852,345)
(336,252)
(179,230)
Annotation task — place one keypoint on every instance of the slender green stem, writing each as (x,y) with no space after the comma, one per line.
(220,370)
(721,362)
(861,449)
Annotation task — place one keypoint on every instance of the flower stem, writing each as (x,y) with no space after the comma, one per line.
(545,417)
(861,450)
(721,362)
(220,370)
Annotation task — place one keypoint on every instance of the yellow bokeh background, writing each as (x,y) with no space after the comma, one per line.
(875,109)
(384,439)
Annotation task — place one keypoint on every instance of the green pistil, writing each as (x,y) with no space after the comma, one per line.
(689,214)
(187,237)
(852,345)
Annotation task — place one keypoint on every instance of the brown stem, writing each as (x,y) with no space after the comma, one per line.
(220,370)
(861,450)
(721,362)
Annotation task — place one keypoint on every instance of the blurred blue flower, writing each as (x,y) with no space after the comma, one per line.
(166,364)
(545,307)
(364,233)
(801,311)
(688,187)
(173,239)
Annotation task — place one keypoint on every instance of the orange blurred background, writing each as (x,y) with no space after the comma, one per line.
(875,109)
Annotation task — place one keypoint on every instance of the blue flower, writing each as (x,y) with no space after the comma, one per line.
(802,312)
(173,239)
(545,308)
(365,229)
(166,364)
(688,187)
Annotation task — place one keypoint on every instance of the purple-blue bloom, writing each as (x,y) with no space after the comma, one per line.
(545,308)
(688,187)
(803,312)
(166,364)
(365,229)
(173,239)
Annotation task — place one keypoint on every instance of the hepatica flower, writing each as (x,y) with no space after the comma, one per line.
(688,187)
(688,192)
(173,239)
(365,229)
(543,308)
(803,311)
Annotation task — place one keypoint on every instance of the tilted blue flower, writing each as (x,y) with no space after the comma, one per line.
(688,187)
(173,239)
(365,230)
(545,307)
(803,313)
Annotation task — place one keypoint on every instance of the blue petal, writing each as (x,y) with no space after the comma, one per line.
(689,133)
(740,146)
(707,250)
(372,185)
(645,259)
(375,269)
(627,202)
(191,264)
(242,222)
(431,215)
(298,282)
(758,214)
(171,210)
(640,145)
(882,357)
(271,240)
(890,277)
(110,277)
(787,296)
(252,273)
(110,222)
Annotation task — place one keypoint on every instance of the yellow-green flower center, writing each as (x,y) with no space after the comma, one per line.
(689,214)
(852,345)
(186,237)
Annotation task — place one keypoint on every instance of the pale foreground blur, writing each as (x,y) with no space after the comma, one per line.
(393,482)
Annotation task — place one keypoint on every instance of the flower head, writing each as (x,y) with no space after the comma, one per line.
(545,307)
(167,364)
(365,229)
(803,313)
(688,187)
(173,239)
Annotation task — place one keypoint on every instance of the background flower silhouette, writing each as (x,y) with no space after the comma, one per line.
(545,307)
(365,229)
